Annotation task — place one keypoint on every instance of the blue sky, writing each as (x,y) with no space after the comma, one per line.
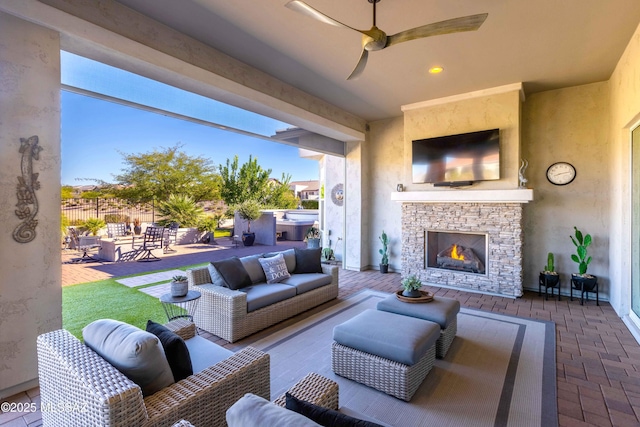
(95,132)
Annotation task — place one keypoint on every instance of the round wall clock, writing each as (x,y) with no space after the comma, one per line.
(561,173)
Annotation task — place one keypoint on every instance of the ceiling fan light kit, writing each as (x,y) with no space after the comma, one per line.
(376,39)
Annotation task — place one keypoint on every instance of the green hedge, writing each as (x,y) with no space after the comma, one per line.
(309,204)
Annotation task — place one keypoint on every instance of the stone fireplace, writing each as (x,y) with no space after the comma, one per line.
(491,225)
(466,252)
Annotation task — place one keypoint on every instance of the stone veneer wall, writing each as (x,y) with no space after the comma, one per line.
(502,222)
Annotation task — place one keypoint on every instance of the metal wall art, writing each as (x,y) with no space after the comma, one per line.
(337,195)
(27,206)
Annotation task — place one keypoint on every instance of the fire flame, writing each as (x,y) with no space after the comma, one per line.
(454,253)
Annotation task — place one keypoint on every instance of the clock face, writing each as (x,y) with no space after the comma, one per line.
(561,173)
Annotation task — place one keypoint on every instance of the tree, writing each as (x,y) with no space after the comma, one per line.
(251,182)
(162,172)
(66,192)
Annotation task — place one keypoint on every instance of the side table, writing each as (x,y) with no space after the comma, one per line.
(180,307)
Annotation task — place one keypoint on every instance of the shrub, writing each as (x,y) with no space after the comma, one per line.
(110,218)
(181,209)
(93,225)
(309,204)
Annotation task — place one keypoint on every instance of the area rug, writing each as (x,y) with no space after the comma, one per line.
(500,370)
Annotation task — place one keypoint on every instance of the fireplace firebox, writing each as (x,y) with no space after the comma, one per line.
(459,251)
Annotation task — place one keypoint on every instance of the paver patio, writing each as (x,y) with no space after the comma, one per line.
(597,358)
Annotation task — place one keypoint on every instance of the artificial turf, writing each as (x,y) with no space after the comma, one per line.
(108,299)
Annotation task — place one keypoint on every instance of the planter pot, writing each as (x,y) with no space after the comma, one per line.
(384,268)
(179,289)
(588,282)
(137,229)
(313,243)
(411,294)
(248,238)
(549,280)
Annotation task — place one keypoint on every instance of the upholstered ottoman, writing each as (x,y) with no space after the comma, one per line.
(443,311)
(389,352)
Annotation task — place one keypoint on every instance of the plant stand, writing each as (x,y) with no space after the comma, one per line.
(584,284)
(548,281)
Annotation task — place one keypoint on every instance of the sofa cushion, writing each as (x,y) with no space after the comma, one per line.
(275,268)
(324,416)
(232,272)
(254,268)
(204,353)
(136,353)
(289,258)
(307,281)
(252,410)
(262,295)
(175,350)
(308,260)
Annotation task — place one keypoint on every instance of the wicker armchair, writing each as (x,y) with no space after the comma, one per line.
(79,388)
(314,388)
(223,311)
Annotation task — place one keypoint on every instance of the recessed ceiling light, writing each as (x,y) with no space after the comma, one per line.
(435,70)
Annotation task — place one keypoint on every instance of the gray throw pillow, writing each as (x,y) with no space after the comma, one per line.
(308,261)
(252,410)
(275,268)
(233,272)
(136,353)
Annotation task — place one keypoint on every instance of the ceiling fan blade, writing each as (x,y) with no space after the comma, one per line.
(455,25)
(305,9)
(359,66)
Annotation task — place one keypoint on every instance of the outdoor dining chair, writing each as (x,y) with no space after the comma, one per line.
(153,238)
(84,245)
(116,229)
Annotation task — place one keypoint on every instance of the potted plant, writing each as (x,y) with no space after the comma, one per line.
(411,285)
(93,225)
(249,210)
(137,229)
(312,237)
(384,262)
(549,278)
(207,225)
(582,279)
(179,286)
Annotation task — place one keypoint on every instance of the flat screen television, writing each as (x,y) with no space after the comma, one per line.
(457,159)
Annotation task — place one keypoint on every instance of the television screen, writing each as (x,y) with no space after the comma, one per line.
(466,157)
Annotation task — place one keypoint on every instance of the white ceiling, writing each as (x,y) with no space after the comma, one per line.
(545,44)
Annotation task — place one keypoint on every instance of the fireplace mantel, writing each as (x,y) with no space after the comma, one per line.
(524,195)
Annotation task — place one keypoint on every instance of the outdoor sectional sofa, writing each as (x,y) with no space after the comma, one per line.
(233,314)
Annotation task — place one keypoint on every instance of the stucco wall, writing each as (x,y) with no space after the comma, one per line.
(386,160)
(567,125)
(624,113)
(500,110)
(333,174)
(30,289)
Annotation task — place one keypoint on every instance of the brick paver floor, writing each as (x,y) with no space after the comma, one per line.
(597,358)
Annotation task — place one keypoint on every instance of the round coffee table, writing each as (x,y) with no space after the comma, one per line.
(180,307)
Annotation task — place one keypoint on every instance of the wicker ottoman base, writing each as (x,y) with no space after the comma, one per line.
(394,378)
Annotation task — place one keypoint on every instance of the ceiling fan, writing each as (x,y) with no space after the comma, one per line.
(376,39)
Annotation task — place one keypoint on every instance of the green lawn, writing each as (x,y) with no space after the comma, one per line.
(108,299)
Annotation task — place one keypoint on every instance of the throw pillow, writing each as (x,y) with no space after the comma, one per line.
(175,350)
(252,410)
(275,268)
(136,353)
(233,273)
(308,261)
(324,416)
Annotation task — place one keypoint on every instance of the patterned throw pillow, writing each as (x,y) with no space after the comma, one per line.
(275,268)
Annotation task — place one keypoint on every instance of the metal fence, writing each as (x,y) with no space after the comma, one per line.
(110,210)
